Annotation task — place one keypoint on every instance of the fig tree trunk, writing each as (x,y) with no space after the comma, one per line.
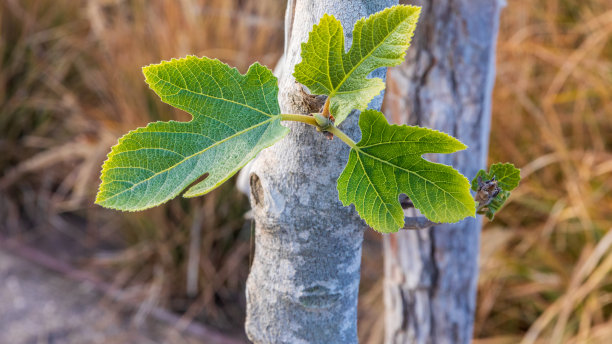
(304,279)
(444,84)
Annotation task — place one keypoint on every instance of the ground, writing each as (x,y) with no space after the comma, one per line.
(41,306)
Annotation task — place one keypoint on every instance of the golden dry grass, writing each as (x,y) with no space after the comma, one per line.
(70,85)
(547,259)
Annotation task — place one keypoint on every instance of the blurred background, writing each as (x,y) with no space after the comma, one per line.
(71,84)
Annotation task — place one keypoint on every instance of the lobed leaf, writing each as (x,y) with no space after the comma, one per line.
(387,161)
(379,41)
(508,178)
(235,116)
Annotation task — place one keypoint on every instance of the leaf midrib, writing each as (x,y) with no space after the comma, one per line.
(193,155)
(415,142)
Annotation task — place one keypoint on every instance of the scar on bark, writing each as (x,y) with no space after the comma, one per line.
(257,190)
(305,102)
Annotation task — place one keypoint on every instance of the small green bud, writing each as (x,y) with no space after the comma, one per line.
(323,122)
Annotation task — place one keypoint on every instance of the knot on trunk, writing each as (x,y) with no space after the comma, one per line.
(303,102)
(257,192)
(318,297)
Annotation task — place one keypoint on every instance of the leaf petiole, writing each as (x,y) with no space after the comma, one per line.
(312,121)
(342,136)
(299,118)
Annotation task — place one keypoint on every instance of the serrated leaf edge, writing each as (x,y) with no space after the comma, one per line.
(174,60)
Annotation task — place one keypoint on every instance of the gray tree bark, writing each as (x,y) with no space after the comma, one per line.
(445,84)
(304,279)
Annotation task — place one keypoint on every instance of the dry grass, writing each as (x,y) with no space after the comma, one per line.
(70,84)
(547,259)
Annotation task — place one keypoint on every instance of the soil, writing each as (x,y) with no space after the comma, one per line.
(40,306)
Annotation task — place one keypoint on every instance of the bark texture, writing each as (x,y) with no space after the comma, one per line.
(304,280)
(445,84)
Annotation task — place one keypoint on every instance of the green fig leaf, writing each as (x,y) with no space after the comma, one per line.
(235,116)
(387,161)
(508,178)
(379,41)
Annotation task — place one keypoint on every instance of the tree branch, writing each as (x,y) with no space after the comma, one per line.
(417,222)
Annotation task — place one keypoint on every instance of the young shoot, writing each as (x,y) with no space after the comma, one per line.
(235,116)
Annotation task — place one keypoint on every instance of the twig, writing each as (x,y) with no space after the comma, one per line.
(417,222)
(414,222)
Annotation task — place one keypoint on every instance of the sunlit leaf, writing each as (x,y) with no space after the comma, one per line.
(387,161)
(379,41)
(235,116)
(508,178)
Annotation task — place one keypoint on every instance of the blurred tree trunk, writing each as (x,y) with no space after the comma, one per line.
(445,84)
(304,279)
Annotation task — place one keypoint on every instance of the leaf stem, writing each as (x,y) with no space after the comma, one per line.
(312,121)
(299,118)
(418,222)
(342,136)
